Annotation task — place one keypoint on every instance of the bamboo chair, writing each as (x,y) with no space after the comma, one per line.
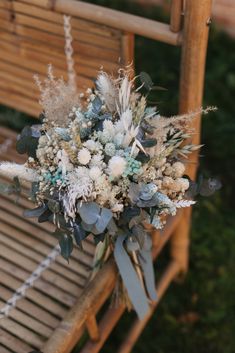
(62,305)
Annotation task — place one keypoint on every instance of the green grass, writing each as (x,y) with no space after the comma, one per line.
(209,289)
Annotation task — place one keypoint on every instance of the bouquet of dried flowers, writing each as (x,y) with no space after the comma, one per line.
(105,163)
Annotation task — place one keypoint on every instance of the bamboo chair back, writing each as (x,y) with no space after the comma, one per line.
(62,305)
(31,37)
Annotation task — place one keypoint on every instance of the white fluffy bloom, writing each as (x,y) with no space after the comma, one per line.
(96,160)
(183,184)
(64,162)
(106,87)
(92,145)
(125,122)
(80,187)
(84,156)
(109,127)
(124,94)
(95,173)
(12,170)
(116,166)
(178,169)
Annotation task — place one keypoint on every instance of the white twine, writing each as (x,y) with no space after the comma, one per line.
(5,145)
(69,52)
(21,291)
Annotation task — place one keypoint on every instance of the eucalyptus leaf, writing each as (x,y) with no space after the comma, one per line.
(79,233)
(27,141)
(45,216)
(103,220)
(63,133)
(146,80)
(35,212)
(34,190)
(148,143)
(134,190)
(128,214)
(142,157)
(111,227)
(66,245)
(96,105)
(89,212)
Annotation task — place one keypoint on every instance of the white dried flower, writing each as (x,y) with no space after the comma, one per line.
(92,145)
(183,184)
(116,166)
(184,203)
(106,87)
(109,127)
(118,138)
(80,186)
(110,149)
(96,160)
(64,161)
(84,156)
(12,170)
(117,207)
(95,173)
(178,169)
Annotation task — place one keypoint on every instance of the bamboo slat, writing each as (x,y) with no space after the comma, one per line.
(31,309)
(21,332)
(5,4)
(13,343)
(29,322)
(4,349)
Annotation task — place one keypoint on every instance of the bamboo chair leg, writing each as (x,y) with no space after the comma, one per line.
(180,241)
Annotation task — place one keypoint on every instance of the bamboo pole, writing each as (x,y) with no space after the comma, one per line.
(127,49)
(195,39)
(120,20)
(176,13)
(112,18)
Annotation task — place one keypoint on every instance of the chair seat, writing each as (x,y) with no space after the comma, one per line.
(24,243)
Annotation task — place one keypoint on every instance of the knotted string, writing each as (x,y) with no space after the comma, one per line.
(69,52)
